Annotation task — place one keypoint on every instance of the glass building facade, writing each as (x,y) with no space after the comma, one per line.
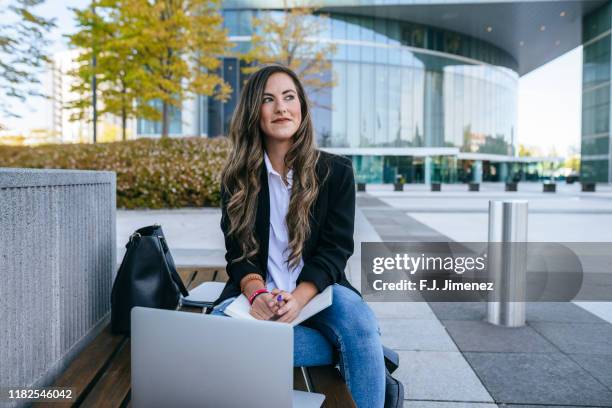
(409,99)
(595,149)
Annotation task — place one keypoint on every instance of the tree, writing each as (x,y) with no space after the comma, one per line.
(293,39)
(22,56)
(573,162)
(148,53)
(529,151)
(467,139)
(495,145)
(106,34)
(90,29)
(123,68)
(179,43)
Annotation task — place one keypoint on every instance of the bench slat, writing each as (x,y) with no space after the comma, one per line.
(90,364)
(192,277)
(114,386)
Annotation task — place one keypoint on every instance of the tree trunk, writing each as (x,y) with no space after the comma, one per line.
(123,124)
(165,120)
(124,103)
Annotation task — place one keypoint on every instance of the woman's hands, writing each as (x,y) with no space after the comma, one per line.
(290,306)
(264,307)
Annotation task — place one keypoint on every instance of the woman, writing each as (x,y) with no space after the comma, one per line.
(288,214)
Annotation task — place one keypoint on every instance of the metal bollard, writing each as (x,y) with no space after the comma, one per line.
(507,264)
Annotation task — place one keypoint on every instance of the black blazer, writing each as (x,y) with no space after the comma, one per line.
(330,243)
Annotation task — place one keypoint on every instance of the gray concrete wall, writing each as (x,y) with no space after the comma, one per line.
(57,258)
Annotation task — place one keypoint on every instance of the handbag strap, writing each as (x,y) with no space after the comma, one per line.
(391,359)
(173,273)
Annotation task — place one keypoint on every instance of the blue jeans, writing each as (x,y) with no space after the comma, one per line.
(349,327)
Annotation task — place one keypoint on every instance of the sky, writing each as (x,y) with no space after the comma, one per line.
(549,98)
(36,112)
(549,104)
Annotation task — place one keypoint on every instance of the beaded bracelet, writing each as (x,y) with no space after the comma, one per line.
(257,293)
(248,278)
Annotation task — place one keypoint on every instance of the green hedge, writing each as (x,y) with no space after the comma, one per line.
(151,173)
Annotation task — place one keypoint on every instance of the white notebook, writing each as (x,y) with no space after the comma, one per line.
(240,307)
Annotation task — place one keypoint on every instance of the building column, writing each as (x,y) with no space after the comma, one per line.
(477,171)
(189,116)
(433,109)
(428,169)
(503,172)
(596,157)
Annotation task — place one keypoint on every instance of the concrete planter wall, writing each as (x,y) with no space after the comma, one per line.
(57,260)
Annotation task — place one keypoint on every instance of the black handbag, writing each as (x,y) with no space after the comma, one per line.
(147,277)
(394,389)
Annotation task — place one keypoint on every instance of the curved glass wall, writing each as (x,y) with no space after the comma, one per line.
(404,85)
(398,85)
(469,107)
(596,153)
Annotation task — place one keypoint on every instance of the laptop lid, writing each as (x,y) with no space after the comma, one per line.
(196,360)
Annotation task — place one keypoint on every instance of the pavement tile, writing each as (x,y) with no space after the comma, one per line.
(584,338)
(384,229)
(398,226)
(393,297)
(538,378)
(385,222)
(445,404)
(483,336)
(439,376)
(459,310)
(598,365)
(542,406)
(535,312)
(402,310)
(603,310)
(559,312)
(366,200)
(425,335)
(398,237)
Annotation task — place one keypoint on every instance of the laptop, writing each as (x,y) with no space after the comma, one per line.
(194,360)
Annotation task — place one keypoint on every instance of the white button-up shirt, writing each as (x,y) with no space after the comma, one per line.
(279,275)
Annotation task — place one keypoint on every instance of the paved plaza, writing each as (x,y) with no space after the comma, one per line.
(450,357)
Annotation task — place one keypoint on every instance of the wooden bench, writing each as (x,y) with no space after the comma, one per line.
(100,374)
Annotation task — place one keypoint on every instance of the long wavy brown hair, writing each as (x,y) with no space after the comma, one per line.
(241,175)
